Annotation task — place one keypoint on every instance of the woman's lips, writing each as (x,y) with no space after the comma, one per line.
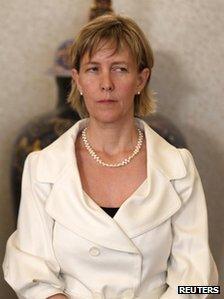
(104,101)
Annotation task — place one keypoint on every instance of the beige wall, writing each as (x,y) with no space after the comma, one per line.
(187,38)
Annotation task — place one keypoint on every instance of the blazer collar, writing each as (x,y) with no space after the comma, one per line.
(57,164)
(61,153)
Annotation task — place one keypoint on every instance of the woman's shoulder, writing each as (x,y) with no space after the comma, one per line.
(175,163)
(47,163)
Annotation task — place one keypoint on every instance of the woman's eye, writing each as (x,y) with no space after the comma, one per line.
(92,69)
(121,69)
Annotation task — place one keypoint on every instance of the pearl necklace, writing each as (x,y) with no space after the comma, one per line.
(122,163)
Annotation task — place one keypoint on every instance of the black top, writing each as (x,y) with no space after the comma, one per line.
(110,211)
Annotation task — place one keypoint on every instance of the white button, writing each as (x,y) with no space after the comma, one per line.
(94,251)
(128,294)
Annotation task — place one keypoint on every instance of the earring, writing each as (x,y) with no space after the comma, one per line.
(81,93)
(138,93)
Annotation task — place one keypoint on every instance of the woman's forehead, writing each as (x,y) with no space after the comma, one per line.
(108,50)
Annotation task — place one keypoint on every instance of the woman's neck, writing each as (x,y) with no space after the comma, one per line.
(112,138)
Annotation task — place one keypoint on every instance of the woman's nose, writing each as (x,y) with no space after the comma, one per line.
(106,83)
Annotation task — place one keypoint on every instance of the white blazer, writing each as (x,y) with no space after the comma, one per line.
(66,243)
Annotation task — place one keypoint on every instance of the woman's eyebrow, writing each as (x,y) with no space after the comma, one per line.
(91,62)
(120,62)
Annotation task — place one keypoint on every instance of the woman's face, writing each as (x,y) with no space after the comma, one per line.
(109,82)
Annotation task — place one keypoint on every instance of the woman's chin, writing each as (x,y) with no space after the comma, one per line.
(108,117)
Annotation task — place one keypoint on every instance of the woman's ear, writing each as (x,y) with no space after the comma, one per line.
(75,77)
(143,76)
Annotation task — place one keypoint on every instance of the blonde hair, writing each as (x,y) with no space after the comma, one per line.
(119,31)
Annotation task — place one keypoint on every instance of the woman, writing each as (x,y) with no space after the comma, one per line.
(110,209)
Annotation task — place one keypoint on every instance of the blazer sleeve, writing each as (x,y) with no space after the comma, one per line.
(30,266)
(190,262)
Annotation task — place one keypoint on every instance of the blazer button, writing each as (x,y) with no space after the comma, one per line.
(128,294)
(94,251)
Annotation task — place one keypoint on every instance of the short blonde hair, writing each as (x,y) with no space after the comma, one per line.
(119,31)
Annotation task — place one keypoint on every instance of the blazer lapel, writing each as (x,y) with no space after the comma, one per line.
(142,213)
(159,200)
